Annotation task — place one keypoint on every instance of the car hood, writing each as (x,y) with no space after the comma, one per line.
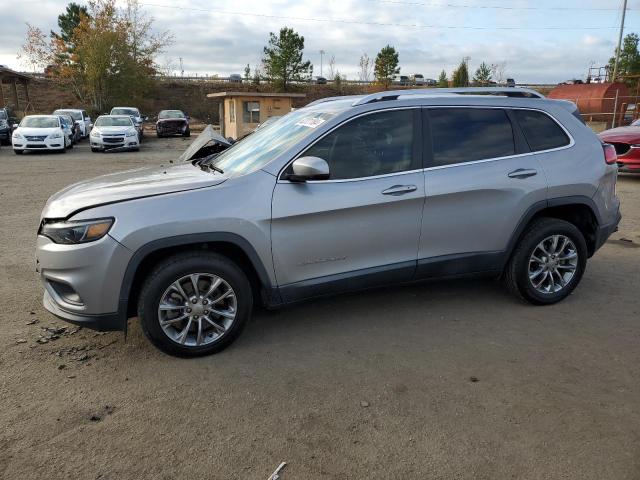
(209,141)
(621,134)
(37,131)
(175,119)
(113,130)
(129,185)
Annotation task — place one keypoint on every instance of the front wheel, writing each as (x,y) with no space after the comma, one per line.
(548,262)
(194,304)
(18,152)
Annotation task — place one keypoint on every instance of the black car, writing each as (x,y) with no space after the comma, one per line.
(7,121)
(172,122)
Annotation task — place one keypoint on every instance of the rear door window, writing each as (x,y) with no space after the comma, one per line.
(540,130)
(462,135)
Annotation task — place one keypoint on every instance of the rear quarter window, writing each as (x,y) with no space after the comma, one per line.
(541,131)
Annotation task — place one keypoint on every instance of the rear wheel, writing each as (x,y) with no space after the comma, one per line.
(194,304)
(548,263)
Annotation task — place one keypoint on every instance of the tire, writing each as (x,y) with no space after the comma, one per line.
(187,133)
(95,150)
(18,152)
(160,135)
(521,264)
(157,285)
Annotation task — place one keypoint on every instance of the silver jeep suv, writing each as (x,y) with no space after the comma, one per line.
(346,193)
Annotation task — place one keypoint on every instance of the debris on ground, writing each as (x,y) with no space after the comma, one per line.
(276,475)
(33,322)
(21,340)
(96,417)
(364,404)
(473,379)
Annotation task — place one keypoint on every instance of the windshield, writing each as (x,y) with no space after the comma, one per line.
(74,115)
(113,122)
(636,123)
(267,143)
(124,111)
(40,122)
(171,114)
(3,114)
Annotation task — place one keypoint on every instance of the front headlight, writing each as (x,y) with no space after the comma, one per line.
(132,134)
(71,232)
(17,136)
(95,134)
(55,135)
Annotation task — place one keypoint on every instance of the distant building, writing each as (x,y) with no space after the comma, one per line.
(242,112)
(14,90)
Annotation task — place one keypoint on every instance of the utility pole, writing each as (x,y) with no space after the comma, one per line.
(321,54)
(615,64)
(181,68)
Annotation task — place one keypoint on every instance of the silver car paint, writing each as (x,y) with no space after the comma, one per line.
(295,235)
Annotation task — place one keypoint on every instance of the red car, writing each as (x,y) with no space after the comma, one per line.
(626,141)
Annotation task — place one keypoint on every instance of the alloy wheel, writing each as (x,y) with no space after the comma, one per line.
(553,264)
(197,309)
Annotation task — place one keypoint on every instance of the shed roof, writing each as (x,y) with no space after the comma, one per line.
(8,73)
(256,94)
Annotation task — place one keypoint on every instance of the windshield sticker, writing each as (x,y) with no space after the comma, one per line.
(312,122)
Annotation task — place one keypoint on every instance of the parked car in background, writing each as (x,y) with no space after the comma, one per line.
(430,82)
(630,114)
(135,115)
(417,79)
(114,131)
(626,141)
(7,121)
(70,129)
(321,81)
(290,212)
(402,80)
(40,132)
(510,83)
(235,78)
(81,117)
(172,122)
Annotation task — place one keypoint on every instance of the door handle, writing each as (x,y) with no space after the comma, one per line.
(522,173)
(399,189)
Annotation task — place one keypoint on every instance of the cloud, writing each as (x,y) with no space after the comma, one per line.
(222,38)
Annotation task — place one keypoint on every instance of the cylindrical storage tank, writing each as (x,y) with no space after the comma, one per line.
(596,101)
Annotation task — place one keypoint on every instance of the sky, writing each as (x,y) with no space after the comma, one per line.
(538,41)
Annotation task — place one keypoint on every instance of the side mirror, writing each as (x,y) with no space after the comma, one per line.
(14,126)
(146,119)
(308,168)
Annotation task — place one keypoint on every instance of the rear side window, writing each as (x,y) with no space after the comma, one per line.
(374,144)
(540,130)
(462,135)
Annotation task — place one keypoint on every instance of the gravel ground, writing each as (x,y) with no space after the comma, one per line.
(452,379)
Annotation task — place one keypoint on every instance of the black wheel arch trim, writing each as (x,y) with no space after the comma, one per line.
(540,206)
(182,240)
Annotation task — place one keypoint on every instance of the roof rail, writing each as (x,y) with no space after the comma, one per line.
(331,99)
(395,94)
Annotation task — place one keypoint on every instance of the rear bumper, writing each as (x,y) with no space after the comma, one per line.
(605,231)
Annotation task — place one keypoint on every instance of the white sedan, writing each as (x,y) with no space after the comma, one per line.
(40,132)
(114,131)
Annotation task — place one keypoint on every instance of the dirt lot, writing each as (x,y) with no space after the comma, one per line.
(445,380)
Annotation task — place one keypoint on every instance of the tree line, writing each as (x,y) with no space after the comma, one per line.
(105,55)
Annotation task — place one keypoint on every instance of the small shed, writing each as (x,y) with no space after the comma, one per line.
(597,101)
(14,90)
(242,112)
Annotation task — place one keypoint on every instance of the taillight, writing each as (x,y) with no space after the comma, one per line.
(610,155)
